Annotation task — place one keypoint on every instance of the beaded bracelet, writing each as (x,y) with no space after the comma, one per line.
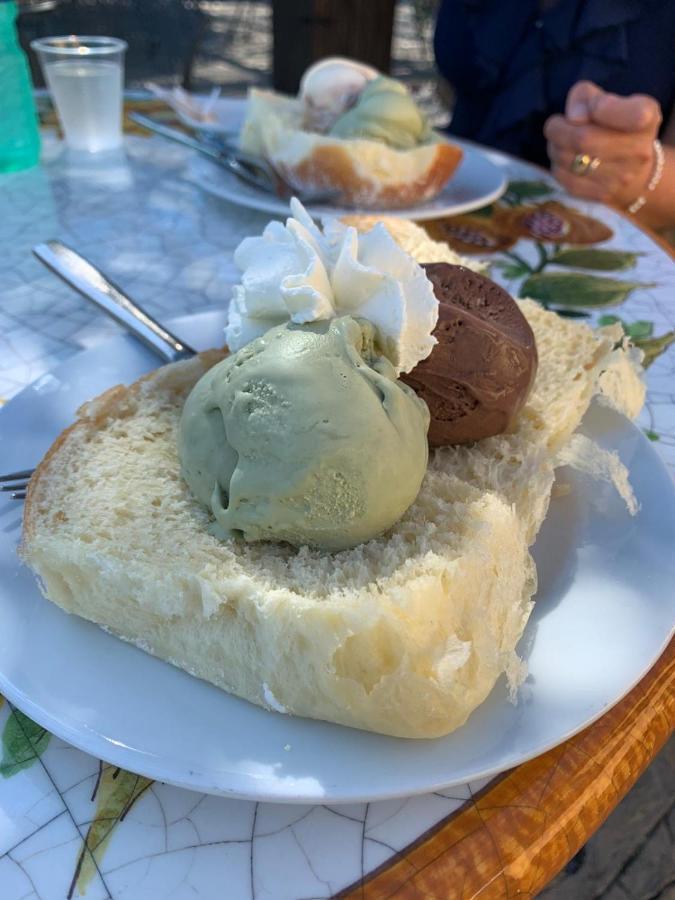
(653,181)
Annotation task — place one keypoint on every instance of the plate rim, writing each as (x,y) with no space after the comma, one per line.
(200,783)
(152,765)
(265,203)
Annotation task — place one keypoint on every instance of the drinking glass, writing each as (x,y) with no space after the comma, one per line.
(85,76)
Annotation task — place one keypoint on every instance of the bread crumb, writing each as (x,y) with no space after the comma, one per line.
(584,455)
(271,700)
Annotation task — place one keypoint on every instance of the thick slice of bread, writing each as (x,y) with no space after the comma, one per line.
(405,634)
(365,173)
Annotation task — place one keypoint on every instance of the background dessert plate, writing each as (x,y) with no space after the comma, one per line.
(604,611)
(477,182)
(228,116)
(479,179)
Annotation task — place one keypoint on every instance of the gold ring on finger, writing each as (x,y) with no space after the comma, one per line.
(582,164)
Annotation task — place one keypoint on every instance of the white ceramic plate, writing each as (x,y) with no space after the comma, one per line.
(229,115)
(604,612)
(479,180)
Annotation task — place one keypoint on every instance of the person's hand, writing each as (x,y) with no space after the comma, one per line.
(617,131)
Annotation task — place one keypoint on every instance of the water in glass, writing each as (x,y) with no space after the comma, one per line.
(88,96)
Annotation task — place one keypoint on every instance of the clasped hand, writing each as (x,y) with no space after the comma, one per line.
(616,131)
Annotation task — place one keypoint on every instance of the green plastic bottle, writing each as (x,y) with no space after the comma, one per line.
(19,134)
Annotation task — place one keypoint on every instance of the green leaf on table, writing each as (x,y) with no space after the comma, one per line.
(514,270)
(23,743)
(575,289)
(484,212)
(654,347)
(652,435)
(117,791)
(569,313)
(525,190)
(511,269)
(595,258)
(638,331)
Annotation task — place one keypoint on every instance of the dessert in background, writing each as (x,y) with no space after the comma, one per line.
(329,88)
(384,111)
(478,376)
(305,435)
(351,131)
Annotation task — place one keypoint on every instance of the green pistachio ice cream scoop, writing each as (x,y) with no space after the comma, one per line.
(385,111)
(305,435)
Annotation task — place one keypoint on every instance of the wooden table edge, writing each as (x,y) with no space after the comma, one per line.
(517,834)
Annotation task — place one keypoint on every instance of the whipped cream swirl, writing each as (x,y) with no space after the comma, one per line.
(297,271)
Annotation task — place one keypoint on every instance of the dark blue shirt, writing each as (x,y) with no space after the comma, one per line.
(512,63)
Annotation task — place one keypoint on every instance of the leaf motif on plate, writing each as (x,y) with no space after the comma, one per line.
(595,258)
(23,743)
(577,289)
(116,791)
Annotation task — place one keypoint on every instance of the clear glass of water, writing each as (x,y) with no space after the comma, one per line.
(85,78)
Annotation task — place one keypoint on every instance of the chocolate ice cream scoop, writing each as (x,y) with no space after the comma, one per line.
(478,376)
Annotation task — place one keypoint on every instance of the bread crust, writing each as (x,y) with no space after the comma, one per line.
(337,167)
(90,417)
(367,174)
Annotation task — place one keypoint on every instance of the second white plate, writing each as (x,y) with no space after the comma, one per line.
(477,182)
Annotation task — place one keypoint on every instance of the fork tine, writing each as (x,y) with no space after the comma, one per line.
(18,495)
(16,486)
(17,476)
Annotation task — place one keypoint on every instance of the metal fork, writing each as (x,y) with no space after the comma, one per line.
(252,170)
(17,483)
(94,286)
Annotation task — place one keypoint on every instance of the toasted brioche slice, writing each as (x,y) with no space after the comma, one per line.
(405,634)
(365,173)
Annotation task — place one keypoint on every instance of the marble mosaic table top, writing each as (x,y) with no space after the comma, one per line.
(70,825)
